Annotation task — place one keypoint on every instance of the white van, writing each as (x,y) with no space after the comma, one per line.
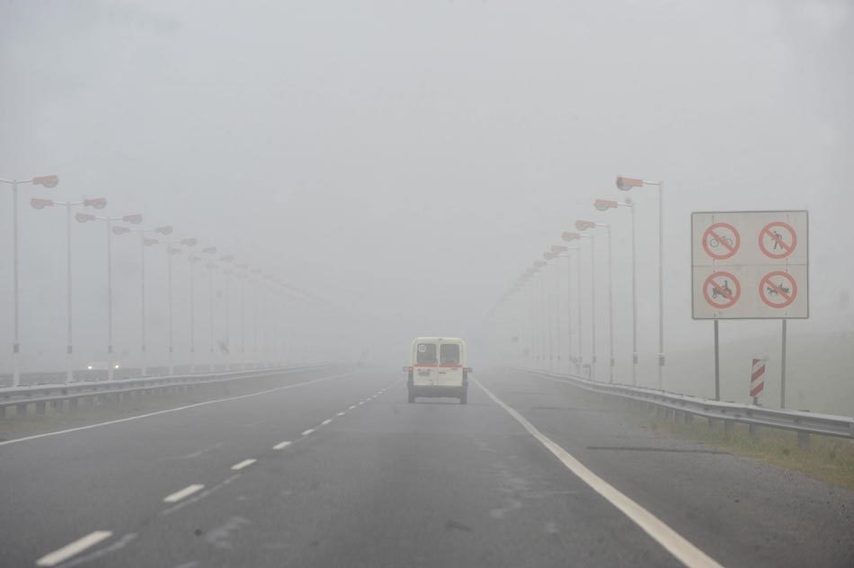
(438,368)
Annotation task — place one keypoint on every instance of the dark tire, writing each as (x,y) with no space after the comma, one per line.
(464,398)
(411,397)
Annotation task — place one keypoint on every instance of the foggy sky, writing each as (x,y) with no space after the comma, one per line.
(408,160)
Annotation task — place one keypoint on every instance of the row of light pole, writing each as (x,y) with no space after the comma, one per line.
(149,236)
(542,349)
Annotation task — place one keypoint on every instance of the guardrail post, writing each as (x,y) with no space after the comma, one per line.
(803,440)
(714,424)
(729,426)
(40,407)
(753,429)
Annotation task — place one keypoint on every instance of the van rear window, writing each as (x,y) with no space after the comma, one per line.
(450,354)
(425,354)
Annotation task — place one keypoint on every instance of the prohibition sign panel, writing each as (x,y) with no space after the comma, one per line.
(778,240)
(764,256)
(778,289)
(721,290)
(721,241)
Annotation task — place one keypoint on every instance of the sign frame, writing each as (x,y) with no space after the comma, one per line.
(774,265)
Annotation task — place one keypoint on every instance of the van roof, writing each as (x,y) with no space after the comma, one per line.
(456,339)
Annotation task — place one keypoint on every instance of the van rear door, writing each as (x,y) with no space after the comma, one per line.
(425,363)
(450,372)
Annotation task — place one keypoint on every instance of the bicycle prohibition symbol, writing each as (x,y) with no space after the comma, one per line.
(721,241)
(721,290)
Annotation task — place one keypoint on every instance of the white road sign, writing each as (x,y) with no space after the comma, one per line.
(750,264)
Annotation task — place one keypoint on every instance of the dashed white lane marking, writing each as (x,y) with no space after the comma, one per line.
(183,493)
(244,463)
(342,413)
(307,432)
(281,445)
(169,410)
(668,538)
(325,422)
(351,407)
(74,548)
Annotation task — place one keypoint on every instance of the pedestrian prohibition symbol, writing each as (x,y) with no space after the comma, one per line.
(778,289)
(721,241)
(721,290)
(778,240)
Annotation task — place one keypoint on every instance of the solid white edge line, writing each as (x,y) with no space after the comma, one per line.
(183,493)
(244,463)
(307,432)
(669,539)
(281,445)
(168,410)
(72,549)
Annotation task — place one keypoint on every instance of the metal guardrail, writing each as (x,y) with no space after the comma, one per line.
(802,422)
(57,394)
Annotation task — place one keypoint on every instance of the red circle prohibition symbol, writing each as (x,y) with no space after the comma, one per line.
(713,238)
(719,294)
(778,240)
(768,288)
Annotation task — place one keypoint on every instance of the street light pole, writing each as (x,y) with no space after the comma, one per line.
(143,324)
(134,219)
(49,182)
(97,203)
(625,184)
(192,259)
(210,266)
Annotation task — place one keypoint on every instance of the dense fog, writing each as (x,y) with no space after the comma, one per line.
(395,166)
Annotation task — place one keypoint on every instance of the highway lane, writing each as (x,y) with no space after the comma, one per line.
(385,483)
(54,489)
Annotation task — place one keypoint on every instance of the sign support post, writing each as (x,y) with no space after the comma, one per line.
(783,367)
(717,363)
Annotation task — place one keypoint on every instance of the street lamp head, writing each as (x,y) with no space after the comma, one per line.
(96,202)
(569,236)
(133,219)
(149,242)
(189,242)
(46,181)
(120,230)
(41,203)
(84,217)
(583,225)
(164,229)
(627,183)
(605,204)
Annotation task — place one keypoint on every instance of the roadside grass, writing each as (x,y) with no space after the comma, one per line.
(827,458)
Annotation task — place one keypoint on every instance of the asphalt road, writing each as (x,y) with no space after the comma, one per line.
(346,473)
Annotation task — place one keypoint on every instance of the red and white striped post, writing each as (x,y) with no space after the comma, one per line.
(757,378)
